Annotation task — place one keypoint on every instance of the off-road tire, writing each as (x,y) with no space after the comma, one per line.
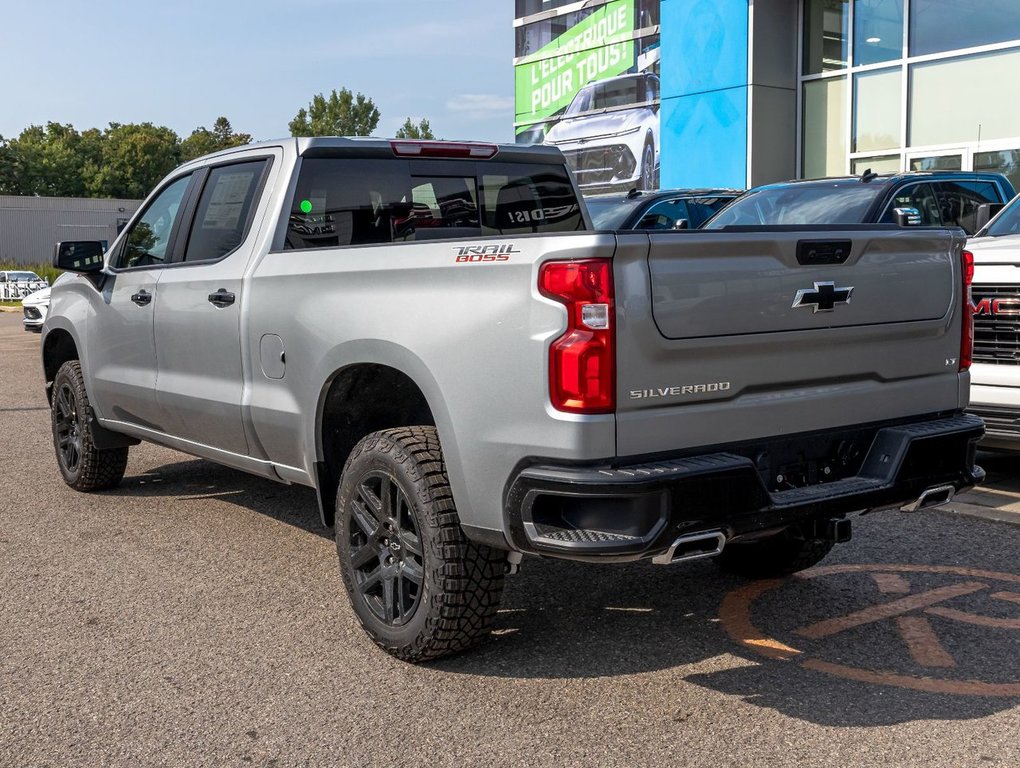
(462,582)
(83,466)
(778,555)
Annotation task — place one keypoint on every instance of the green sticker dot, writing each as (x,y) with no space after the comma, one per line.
(306,206)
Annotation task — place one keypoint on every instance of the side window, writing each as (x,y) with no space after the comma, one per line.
(919,196)
(149,237)
(224,210)
(700,210)
(959,201)
(664,215)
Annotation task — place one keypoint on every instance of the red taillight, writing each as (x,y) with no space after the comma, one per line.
(582,361)
(967,339)
(443,149)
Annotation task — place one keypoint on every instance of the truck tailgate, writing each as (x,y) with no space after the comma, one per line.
(728,336)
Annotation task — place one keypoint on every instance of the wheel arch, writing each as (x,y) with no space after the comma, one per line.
(368,393)
(58,346)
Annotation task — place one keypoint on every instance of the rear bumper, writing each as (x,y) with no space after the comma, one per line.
(628,512)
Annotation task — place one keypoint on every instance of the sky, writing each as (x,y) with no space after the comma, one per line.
(183,63)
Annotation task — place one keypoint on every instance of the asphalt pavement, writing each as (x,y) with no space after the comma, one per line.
(195,617)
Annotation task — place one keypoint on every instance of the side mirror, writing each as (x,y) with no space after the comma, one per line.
(907,217)
(681,224)
(985,213)
(84,256)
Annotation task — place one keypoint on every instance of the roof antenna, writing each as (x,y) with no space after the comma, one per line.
(868,176)
(634,192)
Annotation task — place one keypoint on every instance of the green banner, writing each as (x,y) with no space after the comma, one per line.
(589,51)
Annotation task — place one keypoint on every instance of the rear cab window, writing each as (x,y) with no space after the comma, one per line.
(341,202)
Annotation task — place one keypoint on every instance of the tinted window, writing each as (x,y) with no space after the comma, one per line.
(701,209)
(918,196)
(959,201)
(611,211)
(149,237)
(663,215)
(946,25)
(340,202)
(221,219)
(837,204)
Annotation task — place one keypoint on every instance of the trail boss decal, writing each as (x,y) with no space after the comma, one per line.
(685,389)
(473,254)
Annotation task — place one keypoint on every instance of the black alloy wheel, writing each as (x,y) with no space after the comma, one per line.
(67,428)
(83,466)
(386,550)
(420,588)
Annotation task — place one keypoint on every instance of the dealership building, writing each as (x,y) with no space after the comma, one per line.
(735,93)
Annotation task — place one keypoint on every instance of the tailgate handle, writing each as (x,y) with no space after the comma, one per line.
(813,252)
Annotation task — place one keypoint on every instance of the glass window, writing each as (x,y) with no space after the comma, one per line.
(877,110)
(937,163)
(826,23)
(341,202)
(799,204)
(918,196)
(441,207)
(1006,162)
(223,213)
(959,200)
(149,237)
(946,25)
(887,164)
(664,215)
(1008,222)
(878,31)
(965,99)
(824,127)
(520,198)
(701,209)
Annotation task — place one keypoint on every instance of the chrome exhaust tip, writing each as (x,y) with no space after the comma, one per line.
(933,497)
(693,546)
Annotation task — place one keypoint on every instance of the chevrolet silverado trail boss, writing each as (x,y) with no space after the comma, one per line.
(431,335)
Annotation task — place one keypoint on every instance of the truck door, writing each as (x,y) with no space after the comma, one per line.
(198,321)
(121,347)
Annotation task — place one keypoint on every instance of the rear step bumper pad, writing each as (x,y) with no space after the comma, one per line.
(626,512)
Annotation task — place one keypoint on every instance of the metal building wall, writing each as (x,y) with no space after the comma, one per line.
(29,226)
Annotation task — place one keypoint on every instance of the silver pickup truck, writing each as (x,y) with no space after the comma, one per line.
(431,335)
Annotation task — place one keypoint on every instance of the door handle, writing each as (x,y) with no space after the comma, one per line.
(222,298)
(141,298)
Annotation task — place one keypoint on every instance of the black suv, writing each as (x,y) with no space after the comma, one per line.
(662,209)
(947,198)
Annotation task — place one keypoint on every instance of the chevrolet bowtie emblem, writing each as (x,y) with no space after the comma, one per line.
(823,297)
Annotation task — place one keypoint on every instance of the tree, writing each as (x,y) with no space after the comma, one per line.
(341,114)
(51,160)
(202,141)
(134,158)
(411,131)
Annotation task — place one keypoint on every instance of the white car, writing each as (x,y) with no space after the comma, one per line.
(16,284)
(35,306)
(995,375)
(610,133)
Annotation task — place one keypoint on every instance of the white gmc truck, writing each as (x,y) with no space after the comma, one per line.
(995,391)
(433,337)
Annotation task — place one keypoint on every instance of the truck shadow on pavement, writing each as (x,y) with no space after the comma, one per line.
(843,645)
(847,644)
(197,479)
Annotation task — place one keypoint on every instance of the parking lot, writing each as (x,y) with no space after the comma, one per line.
(195,616)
